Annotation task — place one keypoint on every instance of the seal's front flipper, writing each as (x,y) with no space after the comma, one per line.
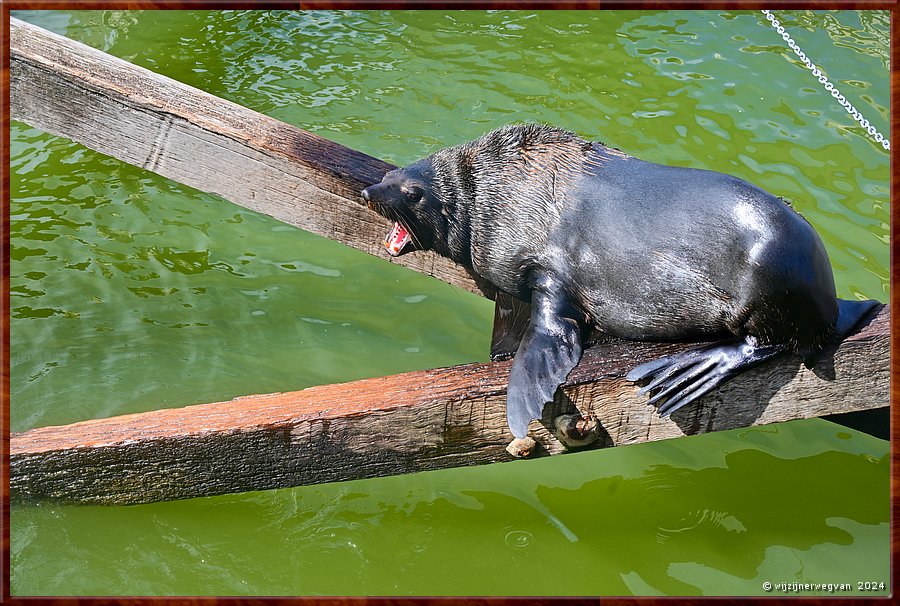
(550,349)
(681,378)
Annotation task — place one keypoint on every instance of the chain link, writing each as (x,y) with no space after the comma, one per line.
(817,73)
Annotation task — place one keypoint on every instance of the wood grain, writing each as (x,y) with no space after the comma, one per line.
(411,422)
(216,146)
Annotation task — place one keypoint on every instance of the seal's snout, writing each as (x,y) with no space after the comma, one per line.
(374,196)
(374,200)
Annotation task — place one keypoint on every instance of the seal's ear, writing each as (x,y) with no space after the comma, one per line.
(550,349)
(448,209)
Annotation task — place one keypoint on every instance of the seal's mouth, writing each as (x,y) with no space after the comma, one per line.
(397,240)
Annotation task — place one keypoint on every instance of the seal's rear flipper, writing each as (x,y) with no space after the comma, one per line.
(849,315)
(550,349)
(681,378)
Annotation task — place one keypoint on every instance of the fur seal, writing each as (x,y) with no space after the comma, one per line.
(594,238)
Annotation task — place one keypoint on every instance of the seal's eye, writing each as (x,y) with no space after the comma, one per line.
(413,194)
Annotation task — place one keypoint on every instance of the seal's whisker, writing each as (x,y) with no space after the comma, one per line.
(409,224)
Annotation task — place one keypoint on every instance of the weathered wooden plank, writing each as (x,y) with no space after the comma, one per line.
(411,422)
(214,145)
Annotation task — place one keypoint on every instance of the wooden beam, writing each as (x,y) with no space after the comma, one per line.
(180,132)
(415,421)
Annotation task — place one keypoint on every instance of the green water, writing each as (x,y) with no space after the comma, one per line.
(130,292)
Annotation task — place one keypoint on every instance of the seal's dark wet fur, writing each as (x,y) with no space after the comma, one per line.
(592,237)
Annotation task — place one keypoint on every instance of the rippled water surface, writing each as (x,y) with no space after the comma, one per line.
(130,292)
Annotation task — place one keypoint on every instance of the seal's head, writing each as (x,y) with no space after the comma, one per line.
(486,199)
(406,197)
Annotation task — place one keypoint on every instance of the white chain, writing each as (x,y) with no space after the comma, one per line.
(873,132)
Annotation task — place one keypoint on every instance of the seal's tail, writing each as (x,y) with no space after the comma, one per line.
(682,378)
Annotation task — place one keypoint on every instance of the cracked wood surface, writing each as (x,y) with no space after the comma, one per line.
(148,120)
(447,417)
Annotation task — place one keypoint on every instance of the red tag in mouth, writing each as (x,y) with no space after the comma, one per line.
(396,240)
